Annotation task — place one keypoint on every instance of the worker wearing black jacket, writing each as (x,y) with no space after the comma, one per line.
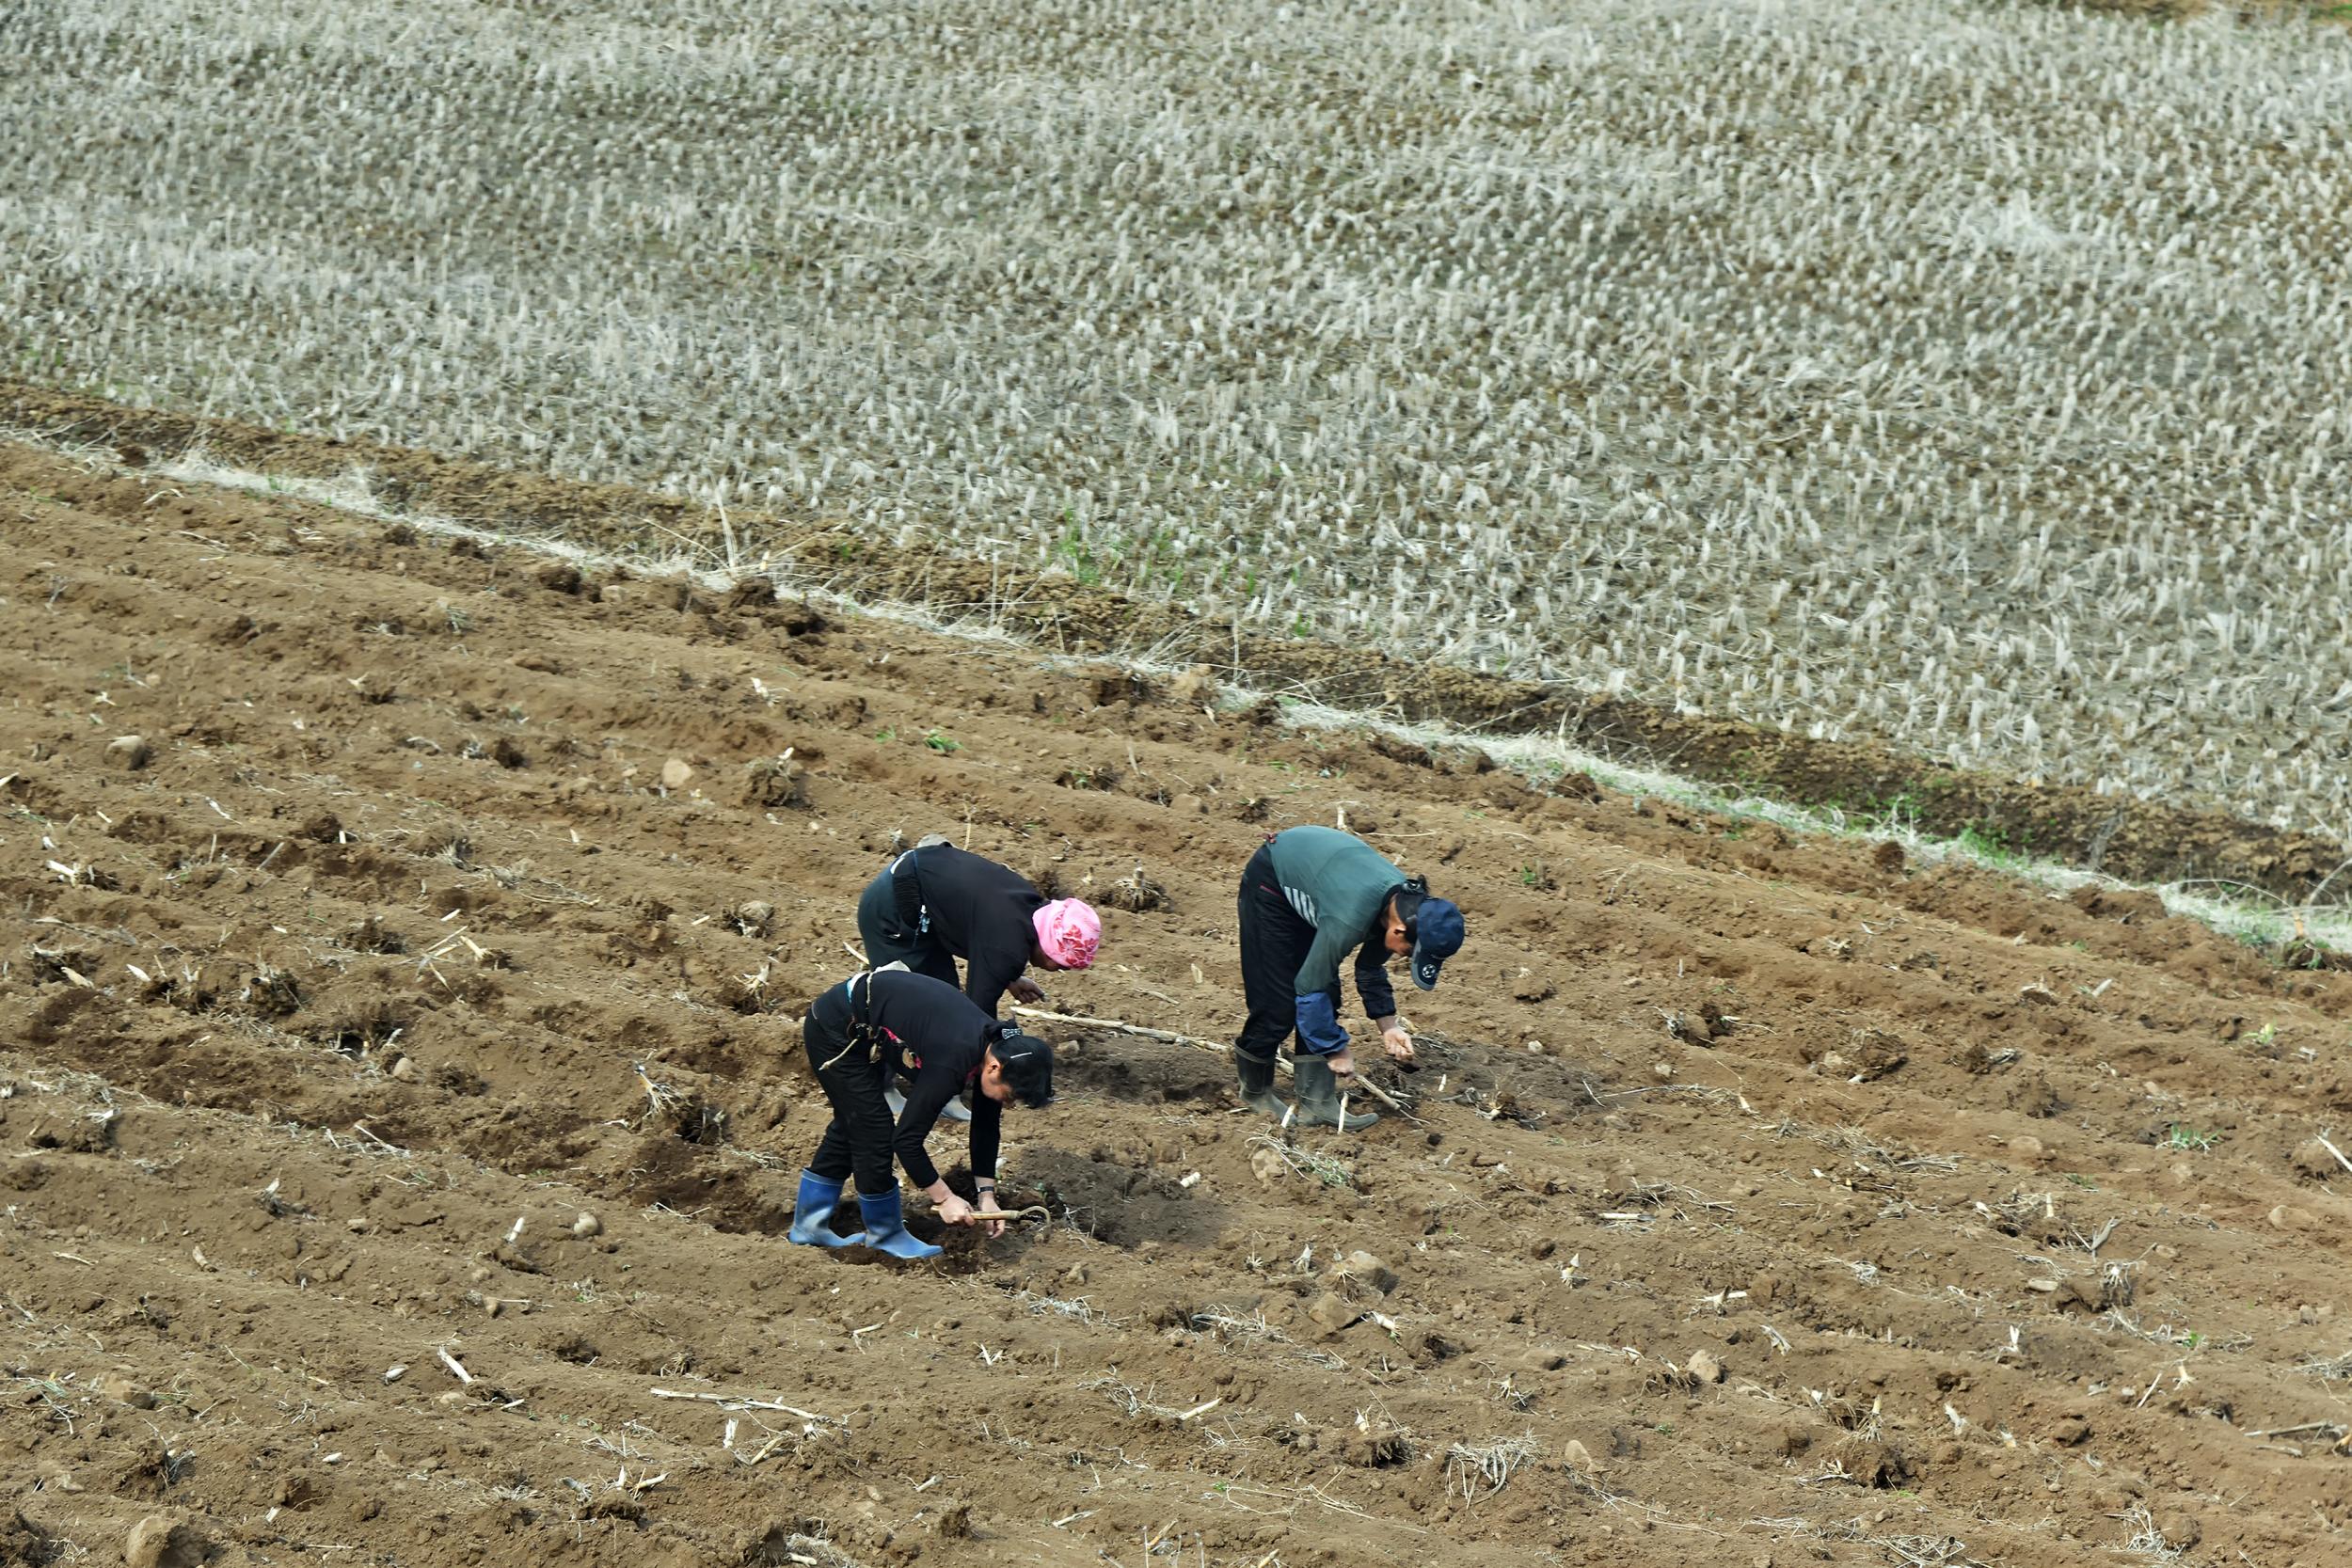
(892,1023)
(936,903)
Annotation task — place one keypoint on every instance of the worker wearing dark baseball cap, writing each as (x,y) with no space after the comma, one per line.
(1434,926)
(1309,896)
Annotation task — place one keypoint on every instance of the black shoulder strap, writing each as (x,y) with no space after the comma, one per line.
(862,1033)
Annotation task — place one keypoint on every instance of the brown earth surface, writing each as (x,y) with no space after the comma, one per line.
(2144,841)
(376,910)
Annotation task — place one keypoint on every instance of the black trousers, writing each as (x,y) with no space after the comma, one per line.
(884,931)
(1273,942)
(860,1138)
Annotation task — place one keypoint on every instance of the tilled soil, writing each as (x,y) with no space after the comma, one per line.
(401,948)
(2124,835)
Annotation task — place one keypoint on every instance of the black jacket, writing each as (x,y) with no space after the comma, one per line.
(940,1036)
(977,910)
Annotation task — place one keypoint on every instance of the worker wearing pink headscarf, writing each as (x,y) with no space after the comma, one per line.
(937,903)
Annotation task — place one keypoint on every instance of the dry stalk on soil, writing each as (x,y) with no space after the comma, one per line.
(1141,1402)
(1481,1471)
(2146,1540)
(2331,1369)
(1926,1551)
(1314,1163)
(1078,1310)
(1232,1324)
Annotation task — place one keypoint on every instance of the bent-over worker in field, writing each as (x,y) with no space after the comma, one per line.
(1308,895)
(880,1024)
(936,903)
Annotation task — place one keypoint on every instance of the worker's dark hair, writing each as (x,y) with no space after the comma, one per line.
(1028,1064)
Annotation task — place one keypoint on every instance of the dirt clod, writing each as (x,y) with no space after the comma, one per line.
(771,781)
(124,1389)
(1333,1311)
(160,1541)
(1363,1271)
(1864,1054)
(750,593)
(128,752)
(1193,686)
(2311,1159)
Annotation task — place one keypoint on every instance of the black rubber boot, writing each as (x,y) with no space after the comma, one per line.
(1319,1097)
(1257,1085)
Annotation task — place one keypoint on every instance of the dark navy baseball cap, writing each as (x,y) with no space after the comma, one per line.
(1436,937)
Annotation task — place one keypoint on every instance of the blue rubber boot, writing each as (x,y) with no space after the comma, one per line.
(812,1213)
(886,1228)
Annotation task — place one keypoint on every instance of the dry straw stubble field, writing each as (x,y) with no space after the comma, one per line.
(1970,376)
